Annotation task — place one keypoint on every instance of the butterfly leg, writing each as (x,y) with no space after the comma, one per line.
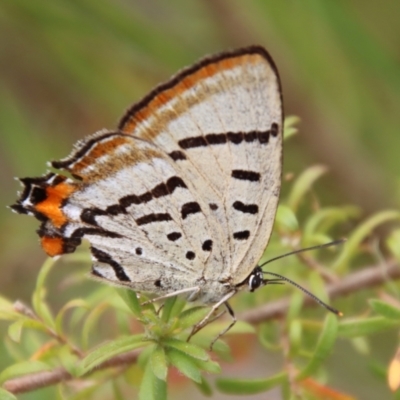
(233,322)
(206,320)
(194,289)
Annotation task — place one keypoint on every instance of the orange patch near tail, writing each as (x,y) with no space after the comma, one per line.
(51,206)
(52,246)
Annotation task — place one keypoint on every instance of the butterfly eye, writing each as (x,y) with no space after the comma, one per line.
(255,280)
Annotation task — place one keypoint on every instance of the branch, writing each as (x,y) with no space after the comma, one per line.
(42,379)
(362,279)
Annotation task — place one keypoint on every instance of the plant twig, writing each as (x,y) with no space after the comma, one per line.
(42,379)
(362,279)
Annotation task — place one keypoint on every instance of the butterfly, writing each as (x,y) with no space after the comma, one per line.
(181,198)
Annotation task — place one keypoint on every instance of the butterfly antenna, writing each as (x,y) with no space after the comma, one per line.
(318,246)
(280,277)
(319,301)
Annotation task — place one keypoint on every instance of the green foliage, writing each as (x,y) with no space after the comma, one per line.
(67,339)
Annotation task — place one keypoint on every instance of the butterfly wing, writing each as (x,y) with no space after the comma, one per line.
(221,122)
(187,189)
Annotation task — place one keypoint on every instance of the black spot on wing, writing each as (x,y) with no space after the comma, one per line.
(160,191)
(177,155)
(139,251)
(246,175)
(38,194)
(175,182)
(195,141)
(173,236)
(263,137)
(213,206)
(274,129)
(190,208)
(241,235)
(245,208)
(216,138)
(153,217)
(207,245)
(235,137)
(130,199)
(190,255)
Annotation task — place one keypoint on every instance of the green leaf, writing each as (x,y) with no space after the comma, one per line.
(76,303)
(321,221)
(295,335)
(110,349)
(286,218)
(38,297)
(386,310)
(190,317)
(324,347)
(167,308)
(392,243)
(158,363)
(289,126)
(184,364)
(249,386)
(209,366)
(365,327)
(352,245)
(151,387)
(173,309)
(303,184)
(204,387)
(188,348)
(91,321)
(4,395)
(15,330)
(131,300)
(23,368)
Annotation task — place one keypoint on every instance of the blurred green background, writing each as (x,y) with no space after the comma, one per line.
(70,68)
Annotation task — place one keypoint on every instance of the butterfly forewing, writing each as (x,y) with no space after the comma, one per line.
(224,130)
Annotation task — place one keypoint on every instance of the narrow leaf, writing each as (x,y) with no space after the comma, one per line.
(15,330)
(131,300)
(167,308)
(151,387)
(184,364)
(324,347)
(188,348)
(364,327)
(360,233)
(77,303)
(23,368)
(286,218)
(204,387)
(249,386)
(385,309)
(158,363)
(303,184)
(109,350)
(191,316)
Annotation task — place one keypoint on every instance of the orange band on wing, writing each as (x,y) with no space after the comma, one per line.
(185,84)
(51,206)
(100,149)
